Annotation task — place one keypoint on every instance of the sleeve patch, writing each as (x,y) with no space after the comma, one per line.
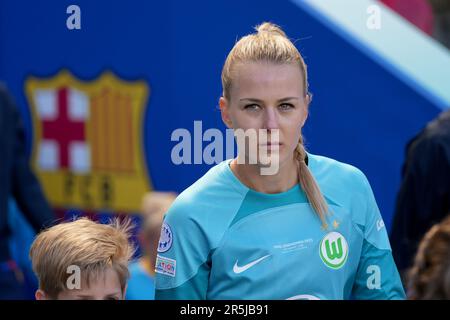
(166,238)
(165,266)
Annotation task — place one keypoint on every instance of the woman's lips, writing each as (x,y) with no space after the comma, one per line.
(271,146)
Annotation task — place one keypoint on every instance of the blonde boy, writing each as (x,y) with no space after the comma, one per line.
(82,259)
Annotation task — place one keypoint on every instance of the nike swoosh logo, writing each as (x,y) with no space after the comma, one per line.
(237,269)
(380,224)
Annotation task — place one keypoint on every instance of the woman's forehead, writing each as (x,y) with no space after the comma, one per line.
(258,79)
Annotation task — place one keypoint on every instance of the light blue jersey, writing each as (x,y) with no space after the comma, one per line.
(222,240)
(141,285)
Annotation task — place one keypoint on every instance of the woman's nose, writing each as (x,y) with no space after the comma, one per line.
(271,119)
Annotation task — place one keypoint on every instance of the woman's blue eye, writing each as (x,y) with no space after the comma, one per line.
(286,106)
(251,107)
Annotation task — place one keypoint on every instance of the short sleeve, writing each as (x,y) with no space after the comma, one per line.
(377,275)
(183,265)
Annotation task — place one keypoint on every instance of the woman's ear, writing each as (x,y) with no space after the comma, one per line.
(308,99)
(224,111)
(305,117)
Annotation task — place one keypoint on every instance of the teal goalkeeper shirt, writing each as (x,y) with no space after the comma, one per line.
(222,240)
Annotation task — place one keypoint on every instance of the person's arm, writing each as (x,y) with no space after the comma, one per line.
(405,219)
(25,187)
(377,276)
(183,262)
(423,197)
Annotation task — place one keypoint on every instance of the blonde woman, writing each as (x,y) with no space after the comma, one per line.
(311,230)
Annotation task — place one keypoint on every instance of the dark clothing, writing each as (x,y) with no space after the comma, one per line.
(424,196)
(12,286)
(16,178)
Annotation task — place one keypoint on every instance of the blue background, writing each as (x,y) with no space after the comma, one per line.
(361,113)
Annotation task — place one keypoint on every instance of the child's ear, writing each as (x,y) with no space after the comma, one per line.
(40,295)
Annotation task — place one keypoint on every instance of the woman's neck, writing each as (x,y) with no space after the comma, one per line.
(250,175)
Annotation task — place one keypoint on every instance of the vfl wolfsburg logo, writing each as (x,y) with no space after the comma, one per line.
(334,250)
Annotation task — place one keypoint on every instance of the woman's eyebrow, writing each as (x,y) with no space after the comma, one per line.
(260,101)
(250,99)
(289,98)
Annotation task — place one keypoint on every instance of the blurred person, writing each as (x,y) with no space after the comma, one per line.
(430,16)
(429,278)
(20,240)
(309,230)
(17,181)
(441,31)
(141,285)
(424,195)
(82,260)
(418,12)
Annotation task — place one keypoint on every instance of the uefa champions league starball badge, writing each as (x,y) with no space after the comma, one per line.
(166,238)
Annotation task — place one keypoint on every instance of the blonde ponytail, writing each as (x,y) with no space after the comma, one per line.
(309,184)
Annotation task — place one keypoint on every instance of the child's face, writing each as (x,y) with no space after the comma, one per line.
(106,287)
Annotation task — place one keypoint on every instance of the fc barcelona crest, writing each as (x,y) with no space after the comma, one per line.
(88,141)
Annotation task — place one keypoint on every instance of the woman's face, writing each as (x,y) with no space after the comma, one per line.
(271,97)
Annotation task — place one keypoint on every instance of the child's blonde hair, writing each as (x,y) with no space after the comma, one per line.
(91,246)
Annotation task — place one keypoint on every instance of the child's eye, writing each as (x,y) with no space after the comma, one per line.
(112,298)
(252,107)
(286,106)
